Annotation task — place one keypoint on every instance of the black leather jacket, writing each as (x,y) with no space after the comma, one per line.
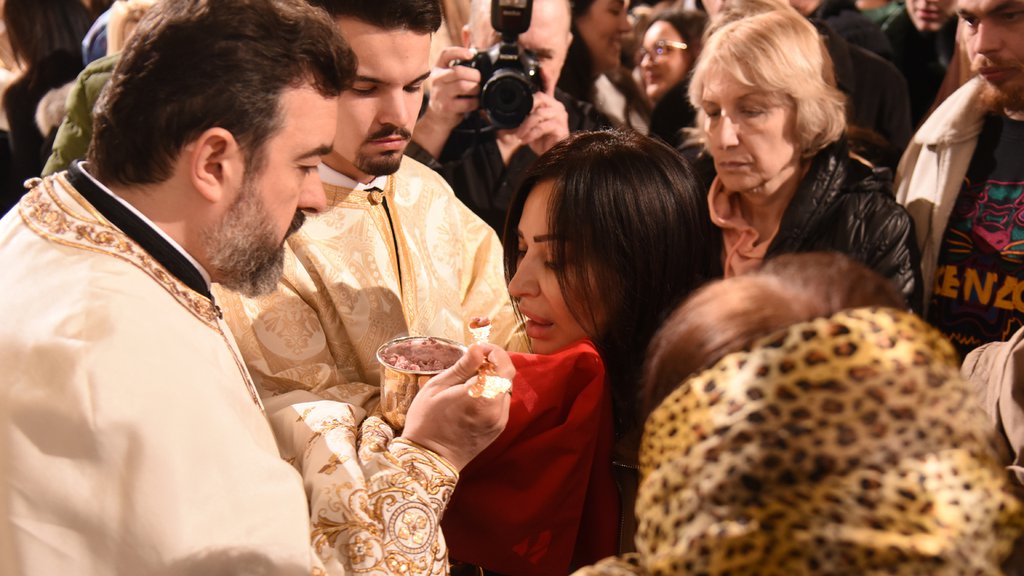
(842,205)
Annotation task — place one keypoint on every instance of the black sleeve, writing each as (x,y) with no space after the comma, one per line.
(25,139)
(893,250)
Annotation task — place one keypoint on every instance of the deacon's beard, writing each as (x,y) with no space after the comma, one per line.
(243,249)
(379,165)
(387,163)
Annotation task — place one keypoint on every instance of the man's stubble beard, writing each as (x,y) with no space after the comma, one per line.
(386,164)
(243,249)
(380,165)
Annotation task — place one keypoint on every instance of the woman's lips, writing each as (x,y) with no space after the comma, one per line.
(537,331)
(536,328)
(731,166)
(615,48)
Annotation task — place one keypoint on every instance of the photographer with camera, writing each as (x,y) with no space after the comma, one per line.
(479,130)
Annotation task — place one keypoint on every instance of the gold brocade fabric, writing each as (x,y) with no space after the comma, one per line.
(349,287)
(844,445)
(375,501)
(57,212)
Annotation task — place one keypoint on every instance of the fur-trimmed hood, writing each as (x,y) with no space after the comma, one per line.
(51,109)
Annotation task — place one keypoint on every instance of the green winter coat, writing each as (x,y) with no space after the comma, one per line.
(75,131)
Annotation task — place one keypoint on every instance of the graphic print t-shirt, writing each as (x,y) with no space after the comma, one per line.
(979,282)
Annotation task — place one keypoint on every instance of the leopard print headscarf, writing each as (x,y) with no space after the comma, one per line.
(843,445)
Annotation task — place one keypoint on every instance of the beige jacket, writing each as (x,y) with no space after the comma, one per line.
(996,372)
(933,168)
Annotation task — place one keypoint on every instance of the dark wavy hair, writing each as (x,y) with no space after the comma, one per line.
(419,16)
(192,65)
(630,223)
(38,28)
(577,78)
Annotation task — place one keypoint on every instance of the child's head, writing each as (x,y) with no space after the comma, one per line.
(729,315)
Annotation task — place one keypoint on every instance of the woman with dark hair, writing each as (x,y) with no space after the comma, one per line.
(595,70)
(803,423)
(617,222)
(46,38)
(669,49)
(607,234)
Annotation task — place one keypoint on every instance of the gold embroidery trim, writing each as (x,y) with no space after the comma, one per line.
(45,213)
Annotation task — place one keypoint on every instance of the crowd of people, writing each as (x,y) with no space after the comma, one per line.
(747,275)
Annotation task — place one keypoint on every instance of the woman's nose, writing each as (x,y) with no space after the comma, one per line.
(727,134)
(522,283)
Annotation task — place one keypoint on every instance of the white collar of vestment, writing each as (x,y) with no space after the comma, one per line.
(202,271)
(332,177)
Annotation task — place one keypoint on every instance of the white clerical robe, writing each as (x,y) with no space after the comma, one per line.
(132,440)
(408,260)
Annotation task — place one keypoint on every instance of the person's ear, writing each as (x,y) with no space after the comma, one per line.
(216,165)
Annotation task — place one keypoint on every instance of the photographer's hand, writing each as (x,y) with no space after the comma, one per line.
(547,124)
(454,91)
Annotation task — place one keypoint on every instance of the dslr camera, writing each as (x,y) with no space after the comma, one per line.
(509,74)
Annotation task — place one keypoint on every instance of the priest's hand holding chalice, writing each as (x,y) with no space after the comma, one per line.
(456,397)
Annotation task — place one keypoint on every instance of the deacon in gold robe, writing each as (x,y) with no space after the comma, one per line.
(405,259)
(395,253)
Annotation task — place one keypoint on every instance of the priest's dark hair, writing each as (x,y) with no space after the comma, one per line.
(192,65)
(632,237)
(420,16)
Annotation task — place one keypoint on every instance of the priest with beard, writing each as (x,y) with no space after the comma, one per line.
(132,438)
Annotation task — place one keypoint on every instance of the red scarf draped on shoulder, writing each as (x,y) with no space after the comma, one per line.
(541,499)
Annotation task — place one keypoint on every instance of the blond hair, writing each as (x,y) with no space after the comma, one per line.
(124,16)
(780,53)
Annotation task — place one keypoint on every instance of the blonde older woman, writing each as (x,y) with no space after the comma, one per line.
(772,125)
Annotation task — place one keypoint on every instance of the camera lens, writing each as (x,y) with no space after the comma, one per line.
(508,98)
